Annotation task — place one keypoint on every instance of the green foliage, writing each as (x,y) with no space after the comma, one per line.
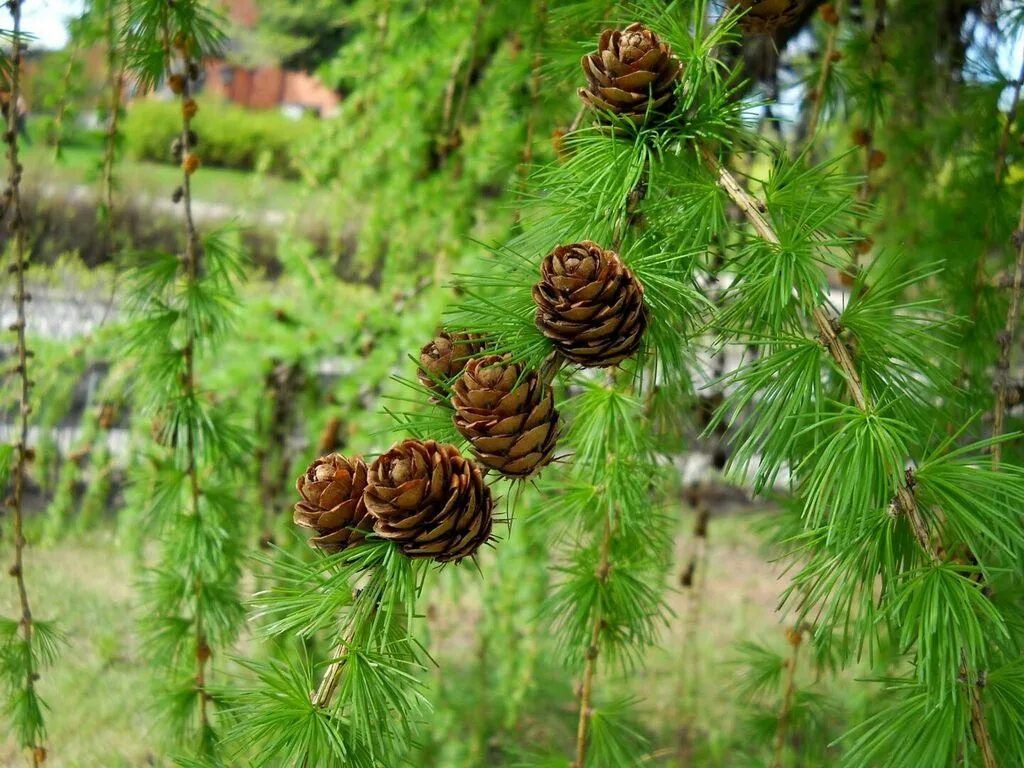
(444,103)
(303,36)
(228,136)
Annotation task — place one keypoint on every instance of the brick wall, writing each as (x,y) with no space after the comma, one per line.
(269,87)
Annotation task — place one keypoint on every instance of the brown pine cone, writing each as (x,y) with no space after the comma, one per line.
(332,502)
(590,305)
(764,17)
(632,74)
(444,358)
(509,418)
(430,500)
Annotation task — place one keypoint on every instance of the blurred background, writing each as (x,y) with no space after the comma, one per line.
(361,152)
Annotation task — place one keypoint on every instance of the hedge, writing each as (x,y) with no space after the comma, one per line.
(229,136)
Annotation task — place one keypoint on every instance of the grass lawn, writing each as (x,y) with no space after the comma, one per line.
(99,696)
(80,164)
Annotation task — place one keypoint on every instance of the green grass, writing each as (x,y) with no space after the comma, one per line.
(80,163)
(98,692)
(97,695)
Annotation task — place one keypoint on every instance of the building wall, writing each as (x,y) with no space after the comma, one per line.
(269,87)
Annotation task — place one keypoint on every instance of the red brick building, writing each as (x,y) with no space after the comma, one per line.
(265,87)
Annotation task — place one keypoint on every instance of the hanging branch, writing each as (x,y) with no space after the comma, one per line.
(794,637)
(1011,119)
(1009,332)
(694,580)
(540,19)
(460,75)
(979,269)
(1006,341)
(828,327)
(830,57)
(281,386)
(30,725)
(62,104)
(593,649)
(865,137)
(115,84)
(192,270)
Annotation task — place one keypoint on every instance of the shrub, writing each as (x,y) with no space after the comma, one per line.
(229,136)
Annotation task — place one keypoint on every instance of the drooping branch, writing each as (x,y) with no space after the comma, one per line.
(23,454)
(188,380)
(1009,332)
(592,651)
(829,58)
(794,637)
(115,86)
(905,501)
(65,97)
(1006,340)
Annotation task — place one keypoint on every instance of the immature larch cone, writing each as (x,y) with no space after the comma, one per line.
(444,358)
(632,74)
(590,305)
(332,502)
(763,17)
(430,500)
(507,415)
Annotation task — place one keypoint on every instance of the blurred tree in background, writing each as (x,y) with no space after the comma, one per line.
(626,613)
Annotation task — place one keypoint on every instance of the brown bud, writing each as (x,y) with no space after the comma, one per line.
(861,137)
(176,83)
(829,14)
(329,439)
(558,142)
(865,245)
(686,577)
(107,416)
(876,159)
(191,163)
(835,56)
(189,109)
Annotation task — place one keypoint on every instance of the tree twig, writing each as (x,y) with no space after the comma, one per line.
(754,211)
(540,18)
(65,84)
(1011,118)
(593,649)
(1006,339)
(115,65)
(16,227)
(192,273)
(794,637)
(826,71)
(693,579)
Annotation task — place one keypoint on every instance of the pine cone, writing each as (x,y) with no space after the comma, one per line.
(764,17)
(590,305)
(508,417)
(332,502)
(444,358)
(631,74)
(430,500)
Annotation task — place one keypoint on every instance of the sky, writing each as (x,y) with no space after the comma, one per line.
(46,20)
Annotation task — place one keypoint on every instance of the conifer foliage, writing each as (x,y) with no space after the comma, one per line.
(182,307)
(27,643)
(541,423)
